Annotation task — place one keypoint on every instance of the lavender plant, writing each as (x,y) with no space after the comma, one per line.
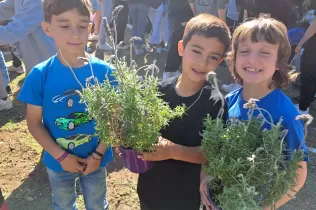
(250,164)
(129,112)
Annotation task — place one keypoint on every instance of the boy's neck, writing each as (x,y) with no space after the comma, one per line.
(255,91)
(72,59)
(186,87)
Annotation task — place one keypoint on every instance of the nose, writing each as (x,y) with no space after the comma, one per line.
(253,57)
(203,61)
(75,32)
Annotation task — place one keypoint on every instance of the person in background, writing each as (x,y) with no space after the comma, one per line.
(5,101)
(157,15)
(179,13)
(106,11)
(25,28)
(138,10)
(5,73)
(213,7)
(308,65)
(121,23)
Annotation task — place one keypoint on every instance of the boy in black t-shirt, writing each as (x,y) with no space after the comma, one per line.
(173,182)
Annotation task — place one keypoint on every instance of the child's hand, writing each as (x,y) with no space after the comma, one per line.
(93,164)
(161,151)
(204,190)
(73,163)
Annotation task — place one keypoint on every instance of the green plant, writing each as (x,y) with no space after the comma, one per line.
(129,112)
(250,164)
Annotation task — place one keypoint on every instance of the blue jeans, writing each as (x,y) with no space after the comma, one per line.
(106,9)
(4,70)
(160,24)
(139,12)
(93,187)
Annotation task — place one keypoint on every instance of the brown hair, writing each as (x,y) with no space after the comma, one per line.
(273,32)
(208,26)
(57,7)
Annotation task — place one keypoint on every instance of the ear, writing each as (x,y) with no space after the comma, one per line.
(46,28)
(180,47)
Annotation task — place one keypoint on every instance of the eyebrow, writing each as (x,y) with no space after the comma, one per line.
(66,21)
(201,48)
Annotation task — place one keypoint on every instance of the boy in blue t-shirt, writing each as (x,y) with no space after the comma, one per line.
(56,118)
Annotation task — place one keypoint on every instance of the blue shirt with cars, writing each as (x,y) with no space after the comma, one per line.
(52,86)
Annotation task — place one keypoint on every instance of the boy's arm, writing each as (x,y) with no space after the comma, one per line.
(39,132)
(25,20)
(166,149)
(34,122)
(300,180)
(6,10)
(311,31)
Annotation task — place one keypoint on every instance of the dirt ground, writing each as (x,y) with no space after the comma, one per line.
(24,181)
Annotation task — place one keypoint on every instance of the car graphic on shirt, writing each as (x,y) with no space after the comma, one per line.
(73,141)
(67,96)
(72,121)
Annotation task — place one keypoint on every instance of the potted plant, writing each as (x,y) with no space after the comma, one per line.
(248,163)
(129,112)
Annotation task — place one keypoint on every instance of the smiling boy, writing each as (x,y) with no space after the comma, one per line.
(173,182)
(48,119)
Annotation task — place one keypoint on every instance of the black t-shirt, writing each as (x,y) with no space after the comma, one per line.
(172,184)
(308,56)
(180,9)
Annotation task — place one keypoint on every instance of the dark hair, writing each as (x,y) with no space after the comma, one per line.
(273,32)
(208,26)
(57,7)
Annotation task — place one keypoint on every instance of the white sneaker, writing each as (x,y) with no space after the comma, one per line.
(104,47)
(5,104)
(300,111)
(93,37)
(166,75)
(231,87)
(19,70)
(158,50)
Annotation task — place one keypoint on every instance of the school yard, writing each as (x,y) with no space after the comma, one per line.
(24,181)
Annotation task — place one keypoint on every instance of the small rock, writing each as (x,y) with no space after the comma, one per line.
(29,199)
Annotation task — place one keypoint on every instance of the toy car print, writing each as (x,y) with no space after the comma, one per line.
(67,96)
(72,121)
(73,141)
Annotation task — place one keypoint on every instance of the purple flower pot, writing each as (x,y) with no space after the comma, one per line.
(133,163)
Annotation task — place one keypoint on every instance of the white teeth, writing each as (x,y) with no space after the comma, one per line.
(252,69)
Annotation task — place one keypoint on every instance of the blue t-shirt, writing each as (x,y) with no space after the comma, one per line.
(279,106)
(52,86)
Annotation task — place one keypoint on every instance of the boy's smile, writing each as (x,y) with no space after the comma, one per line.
(201,55)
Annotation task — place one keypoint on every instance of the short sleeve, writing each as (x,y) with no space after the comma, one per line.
(295,136)
(32,90)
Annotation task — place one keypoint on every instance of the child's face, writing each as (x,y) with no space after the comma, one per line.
(201,55)
(256,62)
(69,31)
